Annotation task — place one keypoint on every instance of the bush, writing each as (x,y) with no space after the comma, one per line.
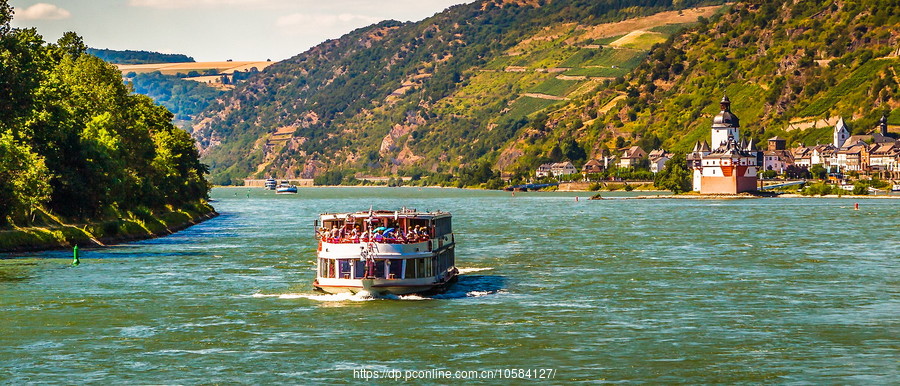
(820,189)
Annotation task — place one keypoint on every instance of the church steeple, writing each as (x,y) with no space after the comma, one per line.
(840,133)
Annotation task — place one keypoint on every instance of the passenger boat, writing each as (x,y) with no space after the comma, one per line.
(271,183)
(285,188)
(895,188)
(385,252)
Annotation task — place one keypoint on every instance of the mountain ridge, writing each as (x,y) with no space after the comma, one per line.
(515,84)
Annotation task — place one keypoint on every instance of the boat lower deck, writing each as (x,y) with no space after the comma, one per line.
(381,286)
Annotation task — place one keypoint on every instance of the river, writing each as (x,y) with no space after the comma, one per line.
(660,291)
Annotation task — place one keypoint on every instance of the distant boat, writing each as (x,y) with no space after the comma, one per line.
(895,188)
(285,188)
(270,184)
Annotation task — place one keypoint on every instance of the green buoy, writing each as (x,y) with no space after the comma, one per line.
(75,256)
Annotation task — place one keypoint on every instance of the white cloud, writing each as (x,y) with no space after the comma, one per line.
(171,4)
(298,23)
(42,11)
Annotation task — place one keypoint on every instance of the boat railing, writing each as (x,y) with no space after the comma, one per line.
(357,240)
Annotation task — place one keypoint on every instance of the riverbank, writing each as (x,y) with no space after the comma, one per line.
(748,196)
(103,233)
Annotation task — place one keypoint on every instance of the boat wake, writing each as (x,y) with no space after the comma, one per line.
(463,271)
(468,286)
(344,297)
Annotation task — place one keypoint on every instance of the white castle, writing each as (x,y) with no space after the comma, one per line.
(729,168)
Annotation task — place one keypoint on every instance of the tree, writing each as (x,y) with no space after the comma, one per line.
(818,171)
(675,177)
(71,44)
(555,154)
(573,151)
(23,179)
(6,15)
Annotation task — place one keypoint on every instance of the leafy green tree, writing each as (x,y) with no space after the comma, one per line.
(71,44)
(76,141)
(675,177)
(6,15)
(23,179)
(818,171)
(573,151)
(860,189)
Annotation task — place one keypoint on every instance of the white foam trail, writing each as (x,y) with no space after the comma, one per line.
(463,271)
(362,296)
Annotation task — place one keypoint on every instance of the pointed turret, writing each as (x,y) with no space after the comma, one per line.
(725,125)
(841,133)
(882,125)
(751,146)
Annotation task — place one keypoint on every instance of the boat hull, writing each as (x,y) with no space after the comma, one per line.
(380,287)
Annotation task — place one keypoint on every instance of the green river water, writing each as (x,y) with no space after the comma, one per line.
(647,291)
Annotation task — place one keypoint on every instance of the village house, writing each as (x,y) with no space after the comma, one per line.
(802,156)
(776,156)
(543,171)
(853,158)
(632,157)
(884,159)
(658,159)
(592,166)
(555,169)
(562,169)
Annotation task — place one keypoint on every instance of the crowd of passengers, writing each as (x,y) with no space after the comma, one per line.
(391,235)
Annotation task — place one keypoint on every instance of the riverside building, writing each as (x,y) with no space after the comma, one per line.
(729,165)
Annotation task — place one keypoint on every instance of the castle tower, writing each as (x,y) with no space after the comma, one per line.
(730,164)
(883,126)
(840,133)
(725,125)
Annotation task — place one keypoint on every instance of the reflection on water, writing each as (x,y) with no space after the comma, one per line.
(649,291)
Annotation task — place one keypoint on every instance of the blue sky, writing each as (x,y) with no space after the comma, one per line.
(213,30)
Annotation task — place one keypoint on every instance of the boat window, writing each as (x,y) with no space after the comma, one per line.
(344,269)
(379,268)
(442,226)
(429,268)
(396,269)
(360,269)
(410,269)
(420,268)
(326,267)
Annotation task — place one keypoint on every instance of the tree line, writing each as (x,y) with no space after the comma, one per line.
(75,141)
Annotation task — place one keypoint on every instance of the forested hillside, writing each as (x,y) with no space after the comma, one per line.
(789,68)
(76,144)
(137,57)
(184,98)
(431,96)
(507,85)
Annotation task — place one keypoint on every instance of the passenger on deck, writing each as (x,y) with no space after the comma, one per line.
(354,234)
(411,235)
(379,237)
(334,233)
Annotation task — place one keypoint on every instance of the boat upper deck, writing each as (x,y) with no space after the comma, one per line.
(405,226)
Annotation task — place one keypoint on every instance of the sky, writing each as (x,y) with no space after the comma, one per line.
(215,30)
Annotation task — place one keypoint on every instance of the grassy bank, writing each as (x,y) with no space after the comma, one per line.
(138,225)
